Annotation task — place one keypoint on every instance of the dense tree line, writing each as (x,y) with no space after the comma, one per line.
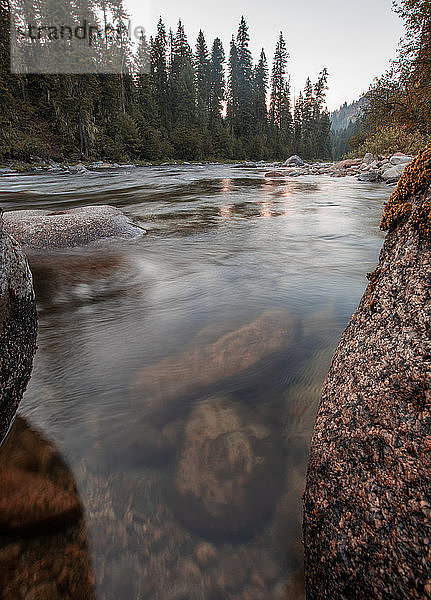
(171,101)
(398,111)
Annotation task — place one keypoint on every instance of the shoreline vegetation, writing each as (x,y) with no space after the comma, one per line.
(395,113)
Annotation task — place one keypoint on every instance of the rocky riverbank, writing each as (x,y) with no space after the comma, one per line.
(370,168)
(373,169)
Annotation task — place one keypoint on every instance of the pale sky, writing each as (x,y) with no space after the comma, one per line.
(353,40)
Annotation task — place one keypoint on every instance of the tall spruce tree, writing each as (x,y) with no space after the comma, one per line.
(160,75)
(245,83)
(260,88)
(278,86)
(182,79)
(217,82)
(203,81)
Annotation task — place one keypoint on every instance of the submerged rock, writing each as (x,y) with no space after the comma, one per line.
(229,472)
(43,546)
(367,503)
(201,366)
(49,230)
(274,174)
(18,327)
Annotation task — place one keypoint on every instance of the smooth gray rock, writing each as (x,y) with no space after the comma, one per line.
(49,230)
(294,161)
(400,159)
(18,327)
(393,172)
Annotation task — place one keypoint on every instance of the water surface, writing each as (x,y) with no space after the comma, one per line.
(138,352)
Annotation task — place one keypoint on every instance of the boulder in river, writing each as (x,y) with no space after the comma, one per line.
(367,503)
(373,176)
(49,230)
(18,327)
(294,161)
(229,472)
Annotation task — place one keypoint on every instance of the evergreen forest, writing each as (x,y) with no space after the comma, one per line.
(174,100)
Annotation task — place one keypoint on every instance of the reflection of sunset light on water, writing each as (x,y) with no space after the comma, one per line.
(226,211)
(226,185)
(278,188)
(265,209)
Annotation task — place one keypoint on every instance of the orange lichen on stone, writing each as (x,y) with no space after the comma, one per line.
(416,178)
(373,279)
(421,219)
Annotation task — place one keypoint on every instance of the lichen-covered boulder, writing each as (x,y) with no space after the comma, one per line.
(57,229)
(367,503)
(18,326)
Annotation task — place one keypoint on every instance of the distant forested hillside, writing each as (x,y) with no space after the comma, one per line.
(345,123)
(347,113)
(194,103)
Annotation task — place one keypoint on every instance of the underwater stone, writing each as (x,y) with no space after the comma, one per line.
(229,473)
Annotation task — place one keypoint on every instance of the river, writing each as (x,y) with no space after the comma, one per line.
(149,381)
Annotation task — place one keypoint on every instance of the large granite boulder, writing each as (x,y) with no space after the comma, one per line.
(294,161)
(50,230)
(18,327)
(367,503)
(229,472)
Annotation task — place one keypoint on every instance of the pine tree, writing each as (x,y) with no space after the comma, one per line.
(260,87)
(217,82)
(203,82)
(245,83)
(182,79)
(278,87)
(160,75)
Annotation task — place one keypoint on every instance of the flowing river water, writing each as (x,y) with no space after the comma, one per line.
(177,377)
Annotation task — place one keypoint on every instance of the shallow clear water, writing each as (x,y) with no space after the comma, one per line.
(137,355)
